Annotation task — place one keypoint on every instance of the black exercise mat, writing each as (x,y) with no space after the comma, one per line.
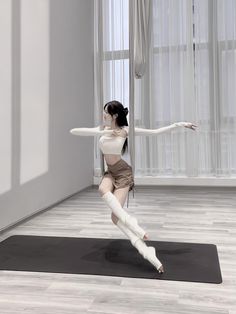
(109,257)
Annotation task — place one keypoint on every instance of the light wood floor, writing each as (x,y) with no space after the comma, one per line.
(187,214)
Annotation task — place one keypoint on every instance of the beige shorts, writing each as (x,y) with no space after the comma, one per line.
(121,174)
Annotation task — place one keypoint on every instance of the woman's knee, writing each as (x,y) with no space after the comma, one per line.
(114,218)
(102,190)
(105,185)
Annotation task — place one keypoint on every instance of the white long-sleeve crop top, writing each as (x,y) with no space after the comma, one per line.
(112,141)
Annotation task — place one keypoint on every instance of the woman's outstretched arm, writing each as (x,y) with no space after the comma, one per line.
(90,131)
(142,131)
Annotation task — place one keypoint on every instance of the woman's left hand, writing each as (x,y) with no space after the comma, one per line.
(190,125)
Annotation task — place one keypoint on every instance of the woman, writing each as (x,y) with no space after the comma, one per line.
(118,180)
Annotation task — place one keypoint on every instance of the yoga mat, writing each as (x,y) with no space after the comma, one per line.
(109,257)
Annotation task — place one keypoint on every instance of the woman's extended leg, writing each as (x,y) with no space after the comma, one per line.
(111,200)
(121,194)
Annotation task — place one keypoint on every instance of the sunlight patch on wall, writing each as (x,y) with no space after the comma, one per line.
(34,89)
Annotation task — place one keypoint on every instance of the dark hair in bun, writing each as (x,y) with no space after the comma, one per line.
(126,111)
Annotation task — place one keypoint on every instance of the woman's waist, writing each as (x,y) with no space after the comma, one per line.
(119,164)
(111,159)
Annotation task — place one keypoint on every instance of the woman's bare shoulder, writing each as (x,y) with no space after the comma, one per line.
(121,131)
(126,128)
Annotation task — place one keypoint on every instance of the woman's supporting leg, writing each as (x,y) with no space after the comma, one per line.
(148,252)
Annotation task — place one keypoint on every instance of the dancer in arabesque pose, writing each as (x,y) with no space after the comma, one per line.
(118,180)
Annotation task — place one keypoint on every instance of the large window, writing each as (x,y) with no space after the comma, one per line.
(191,76)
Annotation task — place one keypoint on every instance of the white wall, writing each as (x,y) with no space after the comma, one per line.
(69,162)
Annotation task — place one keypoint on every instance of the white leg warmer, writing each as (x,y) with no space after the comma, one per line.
(147,252)
(129,221)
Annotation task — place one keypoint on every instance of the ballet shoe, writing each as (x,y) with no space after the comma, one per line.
(151,256)
(149,253)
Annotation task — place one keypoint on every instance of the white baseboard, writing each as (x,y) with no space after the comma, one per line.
(207,181)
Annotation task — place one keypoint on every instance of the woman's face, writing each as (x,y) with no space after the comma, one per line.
(106,116)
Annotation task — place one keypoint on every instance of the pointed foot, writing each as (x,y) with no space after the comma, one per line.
(161,270)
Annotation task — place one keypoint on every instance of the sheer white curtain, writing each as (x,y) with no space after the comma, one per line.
(215,62)
(171,89)
(191,77)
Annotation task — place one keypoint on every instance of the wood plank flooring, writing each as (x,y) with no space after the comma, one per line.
(187,214)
